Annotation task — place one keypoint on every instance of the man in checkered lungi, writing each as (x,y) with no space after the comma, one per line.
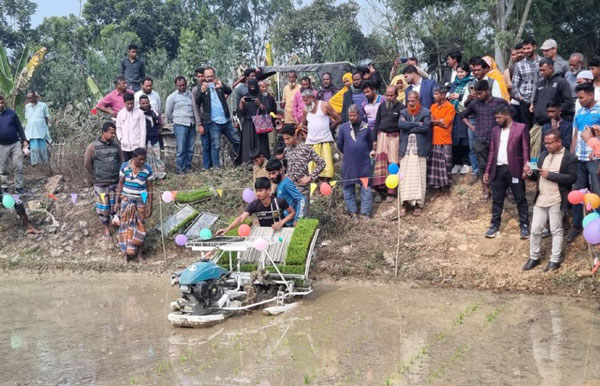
(103,158)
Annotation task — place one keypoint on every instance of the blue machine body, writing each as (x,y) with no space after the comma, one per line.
(201,271)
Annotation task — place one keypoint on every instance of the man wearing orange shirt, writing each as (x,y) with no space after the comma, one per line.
(439,171)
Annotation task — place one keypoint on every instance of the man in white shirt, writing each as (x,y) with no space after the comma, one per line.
(480,68)
(131,128)
(147,89)
(508,156)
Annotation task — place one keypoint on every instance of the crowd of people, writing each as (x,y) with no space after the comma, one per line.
(537,119)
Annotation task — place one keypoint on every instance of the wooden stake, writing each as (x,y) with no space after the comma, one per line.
(398,242)
(162,233)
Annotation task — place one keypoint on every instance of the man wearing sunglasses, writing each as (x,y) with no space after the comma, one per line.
(558,171)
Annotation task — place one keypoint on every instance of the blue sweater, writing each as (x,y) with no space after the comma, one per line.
(288,191)
(11,130)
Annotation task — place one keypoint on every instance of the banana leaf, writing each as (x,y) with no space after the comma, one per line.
(94,89)
(6,83)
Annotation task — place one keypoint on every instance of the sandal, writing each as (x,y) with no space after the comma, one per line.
(417,211)
(402,212)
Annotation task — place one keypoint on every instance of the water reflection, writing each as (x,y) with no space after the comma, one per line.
(107,331)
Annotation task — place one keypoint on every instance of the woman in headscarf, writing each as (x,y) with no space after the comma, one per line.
(460,135)
(338,98)
(252,105)
(498,77)
(400,84)
(133,202)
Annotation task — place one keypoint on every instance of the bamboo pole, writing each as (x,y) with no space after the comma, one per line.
(398,241)
(162,233)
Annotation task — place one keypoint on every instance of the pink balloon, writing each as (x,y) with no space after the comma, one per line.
(244,230)
(248,195)
(260,244)
(167,196)
(325,189)
(180,240)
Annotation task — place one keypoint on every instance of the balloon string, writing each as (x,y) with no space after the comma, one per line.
(156,191)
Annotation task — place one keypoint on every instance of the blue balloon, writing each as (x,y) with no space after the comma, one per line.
(205,234)
(589,218)
(393,168)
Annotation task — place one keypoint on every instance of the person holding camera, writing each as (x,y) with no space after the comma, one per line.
(252,105)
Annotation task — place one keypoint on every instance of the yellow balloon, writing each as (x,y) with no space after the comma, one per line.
(391,181)
(592,199)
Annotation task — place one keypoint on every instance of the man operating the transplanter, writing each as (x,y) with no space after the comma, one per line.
(269,210)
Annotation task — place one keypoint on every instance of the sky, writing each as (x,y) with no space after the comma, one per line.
(48,8)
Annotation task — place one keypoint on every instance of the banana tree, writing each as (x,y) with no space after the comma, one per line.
(13,86)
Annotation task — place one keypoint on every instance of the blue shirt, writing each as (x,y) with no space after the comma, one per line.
(585,117)
(134,185)
(288,191)
(11,130)
(35,115)
(217,114)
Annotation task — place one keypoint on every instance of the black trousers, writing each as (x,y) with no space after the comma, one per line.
(526,115)
(460,155)
(127,155)
(501,182)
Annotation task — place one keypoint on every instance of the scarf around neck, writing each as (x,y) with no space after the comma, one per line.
(458,86)
(415,110)
(355,90)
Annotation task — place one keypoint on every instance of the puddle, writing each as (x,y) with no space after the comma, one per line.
(105,331)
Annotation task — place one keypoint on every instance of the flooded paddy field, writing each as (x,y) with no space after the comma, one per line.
(101,330)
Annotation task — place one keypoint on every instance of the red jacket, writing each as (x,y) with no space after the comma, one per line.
(517,150)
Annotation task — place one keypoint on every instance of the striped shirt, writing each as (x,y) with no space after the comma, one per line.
(134,185)
(585,117)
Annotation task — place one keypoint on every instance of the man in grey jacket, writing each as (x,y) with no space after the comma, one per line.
(103,159)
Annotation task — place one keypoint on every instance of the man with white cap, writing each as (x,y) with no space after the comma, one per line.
(550,51)
(584,76)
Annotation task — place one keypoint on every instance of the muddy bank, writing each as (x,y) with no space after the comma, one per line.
(443,247)
(113,331)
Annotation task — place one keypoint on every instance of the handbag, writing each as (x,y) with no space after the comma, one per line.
(263,124)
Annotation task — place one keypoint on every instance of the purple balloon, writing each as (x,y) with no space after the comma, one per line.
(591,233)
(248,195)
(180,240)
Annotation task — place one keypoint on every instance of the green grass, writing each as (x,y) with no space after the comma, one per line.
(300,242)
(195,195)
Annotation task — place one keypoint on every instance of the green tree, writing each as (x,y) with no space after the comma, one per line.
(15,22)
(156,23)
(309,31)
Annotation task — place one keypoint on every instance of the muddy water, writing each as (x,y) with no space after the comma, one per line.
(104,331)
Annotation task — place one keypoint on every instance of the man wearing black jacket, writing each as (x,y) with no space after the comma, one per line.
(551,87)
(216,117)
(386,133)
(557,172)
